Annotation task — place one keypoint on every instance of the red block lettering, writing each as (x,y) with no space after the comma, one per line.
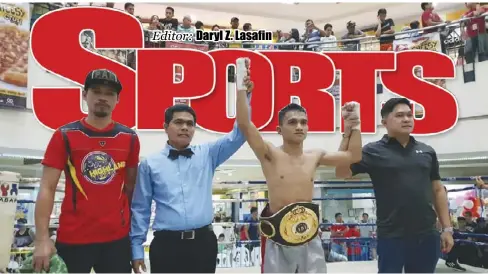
(205,78)
(358,81)
(212,109)
(56,47)
(317,74)
(440,106)
(157,88)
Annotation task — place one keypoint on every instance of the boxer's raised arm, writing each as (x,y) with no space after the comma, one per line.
(352,155)
(253,137)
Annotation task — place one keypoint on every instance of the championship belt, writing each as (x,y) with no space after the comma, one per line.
(295,224)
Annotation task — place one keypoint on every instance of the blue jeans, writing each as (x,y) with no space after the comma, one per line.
(417,254)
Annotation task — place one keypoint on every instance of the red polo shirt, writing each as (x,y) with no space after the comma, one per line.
(475,26)
(429,14)
(95,209)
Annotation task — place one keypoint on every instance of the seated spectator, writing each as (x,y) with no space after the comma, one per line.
(482,228)
(332,256)
(24,237)
(329,38)
(353,247)
(453,256)
(470,223)
(338,231)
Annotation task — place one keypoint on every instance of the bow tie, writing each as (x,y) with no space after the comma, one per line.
(174,154)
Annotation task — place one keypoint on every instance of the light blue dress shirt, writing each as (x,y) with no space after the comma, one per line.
(181,189)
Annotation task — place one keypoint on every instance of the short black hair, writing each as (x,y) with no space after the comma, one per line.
(170,8)
(461,218)
(381,11)
(337,214)
(221,235)
(22,221)
(169,112)
(424,4)
(215,26)
(327,26)
(365,214)
(198,24)
(415,24)
(288,108)
(254,209)
(391,104)
(234,19)
(246,26)
(128,5)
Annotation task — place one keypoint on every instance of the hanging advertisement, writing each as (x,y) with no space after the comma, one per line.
(427,41)
(14,50)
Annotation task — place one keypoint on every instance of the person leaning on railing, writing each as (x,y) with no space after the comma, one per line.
(477,38)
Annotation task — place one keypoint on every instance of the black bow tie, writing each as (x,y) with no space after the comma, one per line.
(174,154)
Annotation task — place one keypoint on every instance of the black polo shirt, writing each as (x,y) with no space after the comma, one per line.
(402,182)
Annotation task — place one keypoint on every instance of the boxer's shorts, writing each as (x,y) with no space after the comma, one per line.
(307,258)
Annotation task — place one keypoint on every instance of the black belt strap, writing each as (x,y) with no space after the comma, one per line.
(184,234)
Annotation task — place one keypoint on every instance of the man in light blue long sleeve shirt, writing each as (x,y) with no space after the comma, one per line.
(179,180)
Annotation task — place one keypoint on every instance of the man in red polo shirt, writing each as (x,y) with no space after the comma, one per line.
(99,158)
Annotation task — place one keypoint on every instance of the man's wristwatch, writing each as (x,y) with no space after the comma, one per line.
(448,229)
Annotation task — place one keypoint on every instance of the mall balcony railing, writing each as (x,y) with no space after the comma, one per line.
(451,35)
(449,41)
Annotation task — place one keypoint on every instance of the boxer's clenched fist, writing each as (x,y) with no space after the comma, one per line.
(350,114)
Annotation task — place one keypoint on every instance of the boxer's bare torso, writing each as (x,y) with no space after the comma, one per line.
(290,178)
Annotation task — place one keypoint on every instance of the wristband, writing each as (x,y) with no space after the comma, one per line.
(448,229)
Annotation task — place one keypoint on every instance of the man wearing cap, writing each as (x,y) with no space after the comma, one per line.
(99,158)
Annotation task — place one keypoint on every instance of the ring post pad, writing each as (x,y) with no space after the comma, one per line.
(295,224)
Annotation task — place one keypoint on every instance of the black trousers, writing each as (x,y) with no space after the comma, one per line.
(169,253)
(110,257)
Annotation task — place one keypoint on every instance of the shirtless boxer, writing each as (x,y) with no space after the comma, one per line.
(290,221)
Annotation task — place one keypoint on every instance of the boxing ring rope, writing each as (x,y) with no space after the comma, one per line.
(351,242)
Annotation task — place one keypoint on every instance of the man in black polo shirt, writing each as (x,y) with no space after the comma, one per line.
(406,182)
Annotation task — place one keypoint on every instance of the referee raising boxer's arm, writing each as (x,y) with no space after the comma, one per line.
(405,176)
(179,180)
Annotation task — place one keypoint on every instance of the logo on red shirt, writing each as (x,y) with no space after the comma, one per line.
(99,168)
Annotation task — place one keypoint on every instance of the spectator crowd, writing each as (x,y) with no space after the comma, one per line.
(473,33)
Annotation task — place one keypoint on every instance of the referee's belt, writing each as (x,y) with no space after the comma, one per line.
(295,224)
